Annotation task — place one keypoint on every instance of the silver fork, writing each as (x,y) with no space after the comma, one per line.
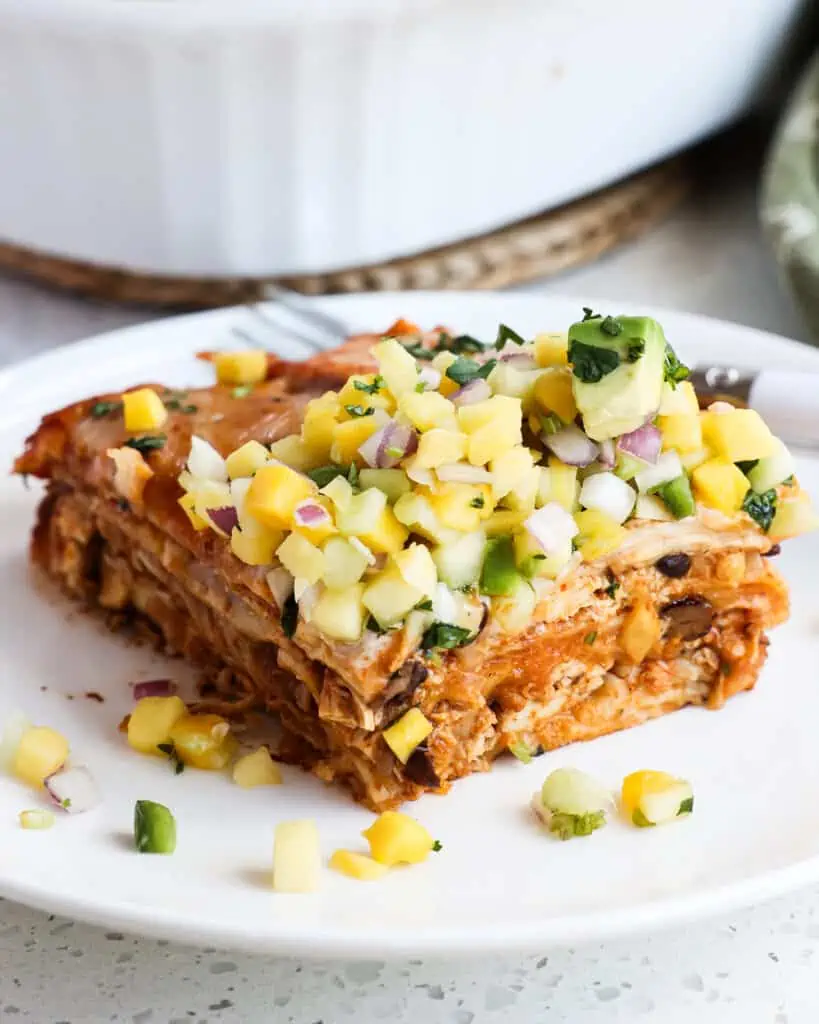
(311,327)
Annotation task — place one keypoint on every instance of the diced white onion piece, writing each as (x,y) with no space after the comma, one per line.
(444,605)
(570,791)
(238,491)
(667,467)
(643,443)
(477,390)
(461,473)
(649,506)
(419,475)
(371,447)
(429,377)
(607,493)
(362,549)
(17,724)
(281,585)
(552,527)
(607,454)
(572,446)
(73,789)
(310,513)
(205,462)
(306,594)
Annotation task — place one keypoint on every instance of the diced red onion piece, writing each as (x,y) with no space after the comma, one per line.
(461,473)
(372,446)
(310,513)
(154,688)
(607,456)
(607,493)
(518,360)
(429,377)
(476,390)
(667,467)
(205,462)
(399,441)
(281,585)
(73,789)
(552,527)
(644,443)
(225,518)
(572,446)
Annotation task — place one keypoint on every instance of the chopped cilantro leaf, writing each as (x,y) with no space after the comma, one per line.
(761,508)
(420,387)
(65,804)
(589,314)
(290,616)
(465,343)
(417,351)
(464,369)
(374,627)
(788,481)
(437,846)
(686,807)
(591,364)
(147,443)
(551,424)
(611,325)
(322,475)
(747,465)
(370,389)
(100,409)
(173,757)
(674,371)
(636,347)
(352,475)
(359,410)
(242,391)
(424,606)
(507,334)
(567,826)
(589,638)
(614,585)
(445,636)
(478,501)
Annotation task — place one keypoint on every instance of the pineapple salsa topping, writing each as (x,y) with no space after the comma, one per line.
(465,475)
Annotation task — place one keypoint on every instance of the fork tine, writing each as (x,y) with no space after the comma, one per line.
(301,306)
(272,326)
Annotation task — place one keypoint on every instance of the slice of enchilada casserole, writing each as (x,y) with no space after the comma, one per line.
(420,550)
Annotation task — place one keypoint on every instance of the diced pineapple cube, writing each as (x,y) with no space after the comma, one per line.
(462,506)
(599,535)
(255,548)
(738,435)
(403,736)
(414,510)
(245,367)
(40,752)
(143,409)
(793,517)
(509,470)
(513,612)
(301,558)
(640,631)
(318,427)
(293,452)
(296,857)
(499,411)
(246,459)
(683,432)
(396,366)
(680,400)
(349,436)
(428,410)
(381,398)
(719,484)
(504,520)
(357,865)
(211,496)
(188,503)
(488,443)
(416,567)
(340,613)
(203,741)
(655,798)
(438,447)
(553,393)
(551,349)
(395,838)
(151,721)
(459,564)
(506,379)
(389,598)
(256,769)
(274,493)
(523,497)
(340,492)
(372,520)
(563,485)
(690,460)
(344,564)
(393,482)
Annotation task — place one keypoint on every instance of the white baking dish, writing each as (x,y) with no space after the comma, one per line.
(253,137)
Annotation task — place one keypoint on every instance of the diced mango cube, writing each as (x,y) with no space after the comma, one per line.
(256,769)
(274,493)
(357,865)
(680,400)
(188,503)
(246,459)
(599,534)
(294,452)
(523,497)
(203,741)
(396,366)
(344,564)
(427,410)
(151,721)
(248,366)
(719,484)
(655,798)
(372,520)
(403,736)
(348,438)
(340,613)
(318,427)
(640,631)
(380,398)
(738,435)
(255,548)
(462,506)
(562,484)
(682,432)
(143,409)
(551,349)
(553,393)
(417,568)
(40,752)
(395,838)
(301,558)
(296,857)
(438,447)
(389,598)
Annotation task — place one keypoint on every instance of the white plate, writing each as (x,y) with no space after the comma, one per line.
(498,882)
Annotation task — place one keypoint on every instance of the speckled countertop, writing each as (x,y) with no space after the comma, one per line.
(757,967)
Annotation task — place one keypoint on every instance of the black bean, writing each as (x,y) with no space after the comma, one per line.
(773,551)
(419,770)
(688,618)
(674,566)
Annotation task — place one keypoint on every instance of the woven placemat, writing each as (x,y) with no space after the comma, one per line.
(536,247)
